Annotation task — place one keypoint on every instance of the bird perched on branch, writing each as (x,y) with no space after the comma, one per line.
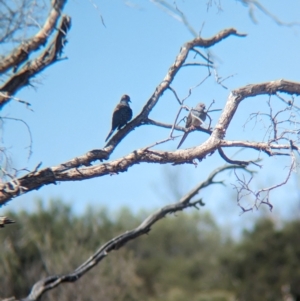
(121,115)
(195,118)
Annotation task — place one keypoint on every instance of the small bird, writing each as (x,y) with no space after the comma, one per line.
(195,118)
(121,115)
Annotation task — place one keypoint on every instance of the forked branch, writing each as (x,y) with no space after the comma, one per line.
(81,168)
(166,82)
(245,190)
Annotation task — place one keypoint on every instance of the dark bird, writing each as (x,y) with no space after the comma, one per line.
(195,118)
(121,115)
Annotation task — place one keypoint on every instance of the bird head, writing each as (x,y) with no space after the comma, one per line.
(125,99)
(200,106)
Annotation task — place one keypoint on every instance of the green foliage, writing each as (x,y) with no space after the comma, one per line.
(179,255)
(53,241)
(266,262)
(184,257)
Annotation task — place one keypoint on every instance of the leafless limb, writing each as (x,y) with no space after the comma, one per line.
(288,102)
(174,126)
(100,15)
(182,103)
(175,94)
(202,55)
(164,125)
(220,80)
(5,160)
(21,53)
(197,64)
(81,168)
(50,55)
(28,129)
(262,196)
(16,17)
(175,121)
(165,84)
(159,142)
(194,87)
(13,185)
(210,111)
(268,88)
(119,241)
(217,3)
(252,4)
(277,122)
(260,146)
(176,13)
(16,99)
(224,157)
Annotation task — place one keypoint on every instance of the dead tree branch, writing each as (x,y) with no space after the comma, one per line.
(81,168)
(32,68)
(21,53)
(260,146)
(73,170)
(262,196)
(116,243)
(252,4)
(166,82)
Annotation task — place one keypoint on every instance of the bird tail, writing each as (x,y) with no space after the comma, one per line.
(109,134)
(182,139)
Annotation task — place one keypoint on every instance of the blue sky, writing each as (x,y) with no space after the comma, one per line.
(73,100)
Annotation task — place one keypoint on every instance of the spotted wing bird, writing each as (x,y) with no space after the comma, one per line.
(121,115)
(195,118)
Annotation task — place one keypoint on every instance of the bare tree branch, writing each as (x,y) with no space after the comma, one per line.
(165,84)
(32,68)
(224,157)
(260,146)
(21,53)
(262,196)
(176,13)
(28,129)
(16,17)
(236,96)
(71,170)
(251,4)
(176,127)
(80,168)
(202,55)
(116,243)
(164,125)
(197,64)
